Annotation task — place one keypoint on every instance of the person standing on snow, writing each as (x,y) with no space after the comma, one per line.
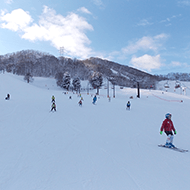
(80,103)
(53,98)
(168,128)
(53,107)
(128,105)
(94,99)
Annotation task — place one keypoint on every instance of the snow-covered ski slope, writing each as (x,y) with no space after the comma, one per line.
(93,147)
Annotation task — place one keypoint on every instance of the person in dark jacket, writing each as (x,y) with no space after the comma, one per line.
(53,107)
(168,128)
(128,105)
(8,97)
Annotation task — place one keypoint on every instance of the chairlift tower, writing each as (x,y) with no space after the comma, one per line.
(61,51)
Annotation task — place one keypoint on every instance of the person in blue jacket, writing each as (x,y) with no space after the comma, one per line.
(128,105)
(94,99)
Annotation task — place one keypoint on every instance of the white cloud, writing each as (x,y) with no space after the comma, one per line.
(170,19)
(146,62)
(84,10)
(99,3)
(8,1)
(16,20)
(67,32)
(144,22)
(184,3)
(146,43)
(178,64)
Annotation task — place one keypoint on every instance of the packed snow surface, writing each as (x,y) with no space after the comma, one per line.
(93,147)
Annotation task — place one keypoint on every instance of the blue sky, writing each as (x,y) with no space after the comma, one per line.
(150,35)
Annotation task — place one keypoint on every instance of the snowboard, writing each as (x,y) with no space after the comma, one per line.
(173,148)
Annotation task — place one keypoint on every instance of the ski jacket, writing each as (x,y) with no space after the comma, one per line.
(167,125)
(128,104)
(95,98)
(53,106)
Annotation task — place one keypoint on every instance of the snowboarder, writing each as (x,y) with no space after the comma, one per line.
(94,99)
(53,107)
(8,97)
(80,103)
(128,105)
(53,98)
(168,128)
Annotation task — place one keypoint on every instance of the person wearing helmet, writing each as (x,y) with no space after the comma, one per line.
(53,107)
(168,128)
(53,98)
(128,105)
(80,103)
(94,99)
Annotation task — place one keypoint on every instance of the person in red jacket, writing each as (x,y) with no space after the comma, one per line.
(168,128)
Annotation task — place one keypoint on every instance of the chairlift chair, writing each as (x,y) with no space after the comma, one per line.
(166,85)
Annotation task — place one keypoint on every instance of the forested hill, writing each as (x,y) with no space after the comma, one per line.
(43,64)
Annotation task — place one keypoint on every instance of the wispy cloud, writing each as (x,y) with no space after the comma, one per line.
(146,43)
(9,1)
(84,10)
(98,3)
(146,62)
(178,64)
(184,3)
(168,20)
(144,22)
(67,32)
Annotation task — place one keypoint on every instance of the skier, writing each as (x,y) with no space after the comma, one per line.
(53,107)
(53,98)
(94,99)
(168,128)
(80,103)
(128,105)
(8,97)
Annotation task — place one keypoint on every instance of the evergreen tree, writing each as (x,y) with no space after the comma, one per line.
(66,81)
(96,81)
(76,84)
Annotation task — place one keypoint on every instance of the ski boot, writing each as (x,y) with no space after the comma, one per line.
(169,145)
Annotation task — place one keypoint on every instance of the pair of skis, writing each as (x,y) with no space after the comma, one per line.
(173,148)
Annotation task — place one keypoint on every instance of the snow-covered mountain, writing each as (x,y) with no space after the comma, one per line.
(93,147)
(45,65)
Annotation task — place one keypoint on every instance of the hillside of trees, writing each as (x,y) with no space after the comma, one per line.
(35,63)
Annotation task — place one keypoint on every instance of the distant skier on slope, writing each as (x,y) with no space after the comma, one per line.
(80,103)
(8,97)
(128,105)
(53,107)
(94,99)
(168,128)
(53,98)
